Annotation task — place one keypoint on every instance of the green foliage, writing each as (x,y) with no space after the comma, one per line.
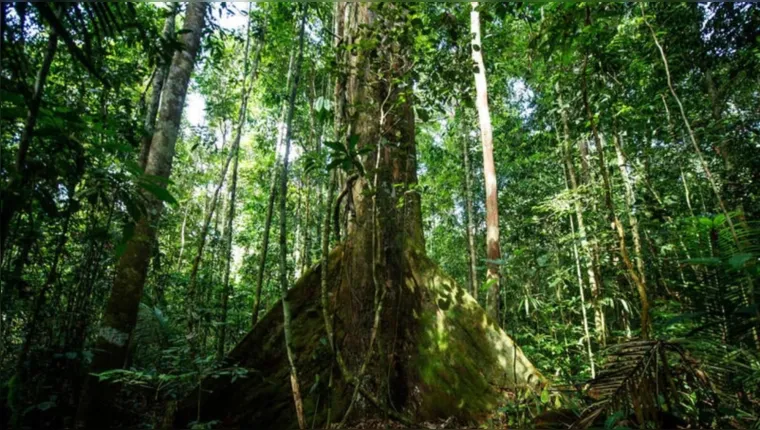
(553,69)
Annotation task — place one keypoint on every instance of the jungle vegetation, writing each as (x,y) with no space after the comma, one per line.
(379,215)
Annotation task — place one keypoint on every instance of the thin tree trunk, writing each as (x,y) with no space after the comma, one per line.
(120,315)
(297,256)
(630,197)
(283,230)
(228,257)
(233,187)
(265,245)
(193,289)
(470,219)
(489,170)
(10,203)
(305,240)
(583,300)
(591,259)
(162,70)
(182,236)
(275,179)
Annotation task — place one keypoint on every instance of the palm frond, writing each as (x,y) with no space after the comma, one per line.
(637,377)
(724,300)
(69,22)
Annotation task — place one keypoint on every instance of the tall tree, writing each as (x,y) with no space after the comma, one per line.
(493,249)
(274,179)
(121,311)
(157,87)
(386,297)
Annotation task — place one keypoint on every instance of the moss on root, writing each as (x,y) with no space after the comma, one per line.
(466,362)
(460,363)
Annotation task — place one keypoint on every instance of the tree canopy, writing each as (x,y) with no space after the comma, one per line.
(326,214)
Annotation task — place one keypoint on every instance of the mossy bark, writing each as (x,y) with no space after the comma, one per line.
(458,362)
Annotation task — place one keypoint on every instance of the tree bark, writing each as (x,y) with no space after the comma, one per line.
(489,169)
(222,337)
(162,69)
(120,315)
(264,250)
(583,301)
(182,236)
(630,198)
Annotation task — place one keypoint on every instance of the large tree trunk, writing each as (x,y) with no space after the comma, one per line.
(489,169)
(404,335)
(120,315)
(159,79)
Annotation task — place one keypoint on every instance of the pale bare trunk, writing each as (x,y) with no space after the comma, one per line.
(182,236)
(489,169)
(583,301)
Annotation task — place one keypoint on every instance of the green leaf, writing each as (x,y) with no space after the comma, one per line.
(335,163)
(739,260)
(129,231)
(613,419)
(160,193)
(352,142)
(335,146)
(704,261)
